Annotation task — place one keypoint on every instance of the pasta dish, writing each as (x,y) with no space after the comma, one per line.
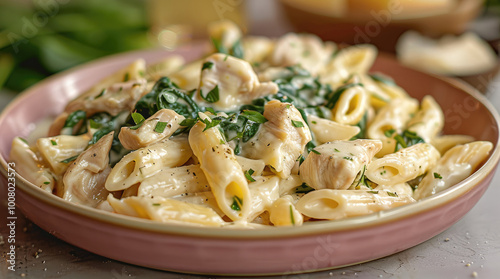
(258,132)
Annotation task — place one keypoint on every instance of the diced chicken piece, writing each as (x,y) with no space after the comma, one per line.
(226,32)
(115,93)
(281,140)
(306,50)
(113,99)
(234,80)
(55,150)
(84,180)
(335,164)
(160,125)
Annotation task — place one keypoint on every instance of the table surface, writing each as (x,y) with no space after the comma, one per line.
(468,249)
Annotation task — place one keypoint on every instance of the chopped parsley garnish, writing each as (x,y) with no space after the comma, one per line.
(23,140)
(407,139)
(138,120)
(300,159)
(347,158)
(248,175)
(188,122)
(53,142)
(212,96)
(254,116)
(74,118)
(210,123)
(211,110)
(336,150)
(437,175)
(389,133)
(46,183)
(100,94)
(292,218)
(391,194)
(237,203)
(372,192)
(383,79)
(303,189)
(70,159)
(160,126)
(315,151)
(156,204)
(297,124)
(126,77)
(362,179)
(94,125)
(207,65)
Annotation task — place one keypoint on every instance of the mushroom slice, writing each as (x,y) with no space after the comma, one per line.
(335,164)
(160,125)
(84,180)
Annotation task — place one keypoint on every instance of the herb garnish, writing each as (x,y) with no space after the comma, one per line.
(437,175)
(212,96)
(248,175)
(391,194)
(303,189)
(138,120)
(237,203)
(407,139)
(160,127)
(70,159)
(254,116)
(297,124)
(207,65)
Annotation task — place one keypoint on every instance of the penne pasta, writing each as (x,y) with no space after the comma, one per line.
(223,173)
(166,211)
(456,164)
(337,204)
(145,162)
(404,165)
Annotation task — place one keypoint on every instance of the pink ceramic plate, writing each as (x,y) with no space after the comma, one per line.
(315,246)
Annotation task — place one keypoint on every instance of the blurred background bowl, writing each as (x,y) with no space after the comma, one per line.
(481,81)
(378,22)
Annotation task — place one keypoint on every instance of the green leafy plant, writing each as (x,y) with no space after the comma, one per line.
(40,38)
